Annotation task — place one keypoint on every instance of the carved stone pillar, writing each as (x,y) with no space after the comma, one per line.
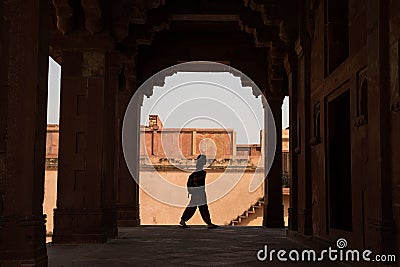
(302,150)
(378,194)
(23,97)
(85,200)
(127,189)
(111,133)
(273,212)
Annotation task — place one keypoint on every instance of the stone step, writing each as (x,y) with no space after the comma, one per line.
(247,213)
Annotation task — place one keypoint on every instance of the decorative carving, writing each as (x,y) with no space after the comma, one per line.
(316,139)
(277,70)
(139,12)
(362,99)
(263,34)
(93,15)
(269,10)
(159,79)
(65,15)
(157,20)
(251,22)
(284,32)
(93,64)
(396,105)
(310,21)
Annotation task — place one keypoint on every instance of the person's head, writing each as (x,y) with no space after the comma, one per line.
(201,161)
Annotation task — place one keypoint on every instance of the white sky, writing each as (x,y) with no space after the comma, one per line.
(210,102)
(53,103)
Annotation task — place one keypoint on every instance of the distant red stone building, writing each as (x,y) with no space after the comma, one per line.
(216,143)
(157,141)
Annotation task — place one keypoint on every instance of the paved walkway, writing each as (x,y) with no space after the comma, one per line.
(174,246)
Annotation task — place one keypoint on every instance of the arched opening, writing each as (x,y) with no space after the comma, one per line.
(195,113)
(154,132)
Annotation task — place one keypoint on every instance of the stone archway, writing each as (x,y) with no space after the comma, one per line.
(147,90)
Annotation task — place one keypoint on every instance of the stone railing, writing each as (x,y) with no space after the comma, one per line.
(189,164)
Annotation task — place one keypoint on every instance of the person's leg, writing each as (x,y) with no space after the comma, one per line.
(205,214)
(188,213)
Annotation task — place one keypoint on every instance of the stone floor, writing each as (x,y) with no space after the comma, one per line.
(174,246)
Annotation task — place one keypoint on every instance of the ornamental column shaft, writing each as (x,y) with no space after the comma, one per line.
(127,189)
(85,200)
(273,210)
(23,107)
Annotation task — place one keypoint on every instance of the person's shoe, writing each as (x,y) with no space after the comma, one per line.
(212,226)
(183,224)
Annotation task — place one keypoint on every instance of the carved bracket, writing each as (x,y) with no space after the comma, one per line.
(362,98)
(316,139)
(93,15)
(65,15)
(395,106)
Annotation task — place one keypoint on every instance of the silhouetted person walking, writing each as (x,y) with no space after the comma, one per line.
(196,188)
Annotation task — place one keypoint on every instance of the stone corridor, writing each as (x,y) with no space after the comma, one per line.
(174,246)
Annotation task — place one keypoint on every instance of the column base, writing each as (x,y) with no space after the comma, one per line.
(37,262)
(110,222)
(80,226)
(23,241)
(129,223)
(315,242)
(128,216)
(274,216)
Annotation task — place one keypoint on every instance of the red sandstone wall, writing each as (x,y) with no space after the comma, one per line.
(322,86)
(395,112)
(52,141)
(175,143)
(371,150)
